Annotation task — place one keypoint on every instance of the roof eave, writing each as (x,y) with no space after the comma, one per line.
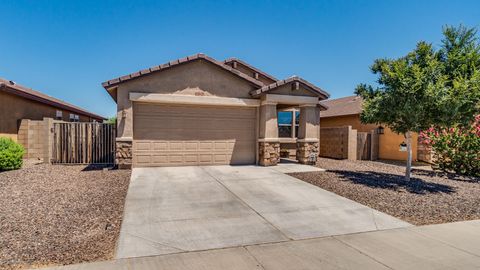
(234,59)
(18,92)
(310,87)
(114,82)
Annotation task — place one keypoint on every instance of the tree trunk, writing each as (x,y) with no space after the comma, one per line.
(408,137)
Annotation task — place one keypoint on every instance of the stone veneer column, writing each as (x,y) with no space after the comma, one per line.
(269,153)
(307,152)
(124,141)
(308,146)
(268,142)
(123,154)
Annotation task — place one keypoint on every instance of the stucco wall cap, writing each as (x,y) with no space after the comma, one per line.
(124,139)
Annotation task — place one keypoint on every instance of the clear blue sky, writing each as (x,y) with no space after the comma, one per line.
(66,49)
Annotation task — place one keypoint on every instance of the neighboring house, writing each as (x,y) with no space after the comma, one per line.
(18,102)
(346,112)
(200,111)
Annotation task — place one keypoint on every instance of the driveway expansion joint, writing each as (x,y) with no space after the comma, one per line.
(361,252)
(443,242)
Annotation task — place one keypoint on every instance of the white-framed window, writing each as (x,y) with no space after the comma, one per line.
(59,115)
(285,123)
(74,118)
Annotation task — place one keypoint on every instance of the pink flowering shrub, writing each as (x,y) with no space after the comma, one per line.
(455,149)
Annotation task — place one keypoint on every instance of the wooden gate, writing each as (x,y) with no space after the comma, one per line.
(367,145)
(364,145)
(83,143)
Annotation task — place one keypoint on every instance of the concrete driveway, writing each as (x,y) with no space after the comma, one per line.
(178,209)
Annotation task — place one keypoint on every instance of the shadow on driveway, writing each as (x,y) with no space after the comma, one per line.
(393,182)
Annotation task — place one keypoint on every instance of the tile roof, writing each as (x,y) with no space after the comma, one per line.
(16,89)
(110,83)
(317,90)
(252,68)
(342,106)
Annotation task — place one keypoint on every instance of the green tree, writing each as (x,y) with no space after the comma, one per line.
(112,120)
(460,57)
(426,88)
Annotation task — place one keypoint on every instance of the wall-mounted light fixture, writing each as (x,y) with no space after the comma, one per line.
(380,130)
(124,114)
(403,147)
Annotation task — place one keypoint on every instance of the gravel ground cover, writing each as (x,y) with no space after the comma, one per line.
(428,198)
(55,214)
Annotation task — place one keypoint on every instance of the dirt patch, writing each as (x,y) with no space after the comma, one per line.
(428,198)
(55,214)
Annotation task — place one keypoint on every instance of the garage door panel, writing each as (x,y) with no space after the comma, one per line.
(162,125)
(200,135)
(158,145)
(174,135)
(186,146)
(175,159)
(158,111)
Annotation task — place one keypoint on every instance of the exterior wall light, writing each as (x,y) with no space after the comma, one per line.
(403,147)
(380,130)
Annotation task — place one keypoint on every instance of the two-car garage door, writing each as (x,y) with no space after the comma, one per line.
(178,135)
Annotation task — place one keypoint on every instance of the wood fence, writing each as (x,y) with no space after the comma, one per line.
(364,140)
(83,143)
(367,146)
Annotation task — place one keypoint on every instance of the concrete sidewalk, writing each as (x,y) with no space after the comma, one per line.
(445,246)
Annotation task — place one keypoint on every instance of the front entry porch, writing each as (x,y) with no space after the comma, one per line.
(301,136)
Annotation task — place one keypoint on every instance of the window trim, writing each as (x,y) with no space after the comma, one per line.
(59,115)
(294,119)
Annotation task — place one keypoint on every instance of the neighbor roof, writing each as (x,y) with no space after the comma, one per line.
(19,90)
(350,105)
(317,90)
(110,83)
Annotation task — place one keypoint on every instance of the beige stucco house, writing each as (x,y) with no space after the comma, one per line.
(200,111)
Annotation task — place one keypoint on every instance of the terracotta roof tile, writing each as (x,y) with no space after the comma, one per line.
(110,83)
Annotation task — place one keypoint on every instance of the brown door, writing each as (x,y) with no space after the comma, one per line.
(181,135)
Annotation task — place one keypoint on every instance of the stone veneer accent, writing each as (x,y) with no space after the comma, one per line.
(269,153)
(123,155)
(305,149)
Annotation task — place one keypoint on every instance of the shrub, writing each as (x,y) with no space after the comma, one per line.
(11,154)
(455,149)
